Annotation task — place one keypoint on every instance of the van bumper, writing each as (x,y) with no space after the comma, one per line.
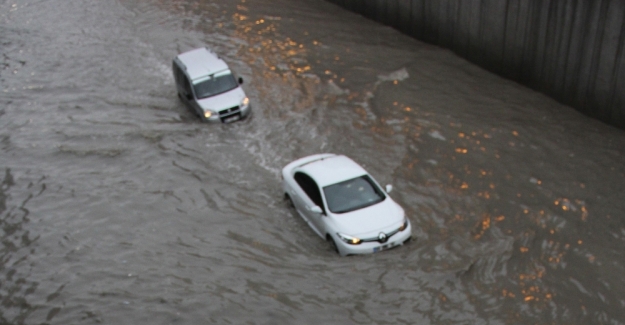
(229,117)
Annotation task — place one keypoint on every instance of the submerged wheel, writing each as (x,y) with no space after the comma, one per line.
(332,244)
(289,202)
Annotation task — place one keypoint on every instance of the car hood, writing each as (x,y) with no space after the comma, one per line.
(225,100)
(370,220)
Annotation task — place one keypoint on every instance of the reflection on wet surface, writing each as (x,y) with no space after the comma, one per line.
(117,206)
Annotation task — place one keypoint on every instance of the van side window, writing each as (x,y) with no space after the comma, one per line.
(186,85)
(310,187)
(181,78)
(177,73)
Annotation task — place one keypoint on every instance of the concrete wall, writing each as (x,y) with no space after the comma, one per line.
(572,50)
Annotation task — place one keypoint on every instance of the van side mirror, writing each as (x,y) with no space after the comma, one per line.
(240,80)
(389,188)
(316,209)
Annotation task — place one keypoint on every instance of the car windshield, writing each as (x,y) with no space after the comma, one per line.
(214,84)
(353,194)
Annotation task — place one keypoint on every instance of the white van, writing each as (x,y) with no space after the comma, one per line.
(207,85)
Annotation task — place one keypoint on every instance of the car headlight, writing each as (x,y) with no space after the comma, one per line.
(349,239)
(208,114)
(245,102)
(404,225)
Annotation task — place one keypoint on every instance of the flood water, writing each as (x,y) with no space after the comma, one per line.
(118,206)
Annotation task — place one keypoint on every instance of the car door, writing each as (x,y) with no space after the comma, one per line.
(309,197)
(297,195)
(191,100)
(185,92)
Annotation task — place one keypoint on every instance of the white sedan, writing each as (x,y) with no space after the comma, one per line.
(344,205)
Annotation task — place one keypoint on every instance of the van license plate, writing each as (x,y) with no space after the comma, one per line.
(232,119)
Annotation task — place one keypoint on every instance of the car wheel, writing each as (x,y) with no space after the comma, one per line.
(332,244)
(289,202)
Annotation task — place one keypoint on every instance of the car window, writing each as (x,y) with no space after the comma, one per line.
(214,84)
(310,188)
(353,194)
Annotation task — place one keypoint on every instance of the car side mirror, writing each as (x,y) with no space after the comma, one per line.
(240,80)
(316,209)
(389,188)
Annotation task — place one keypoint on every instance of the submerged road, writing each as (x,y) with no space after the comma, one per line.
(117,206)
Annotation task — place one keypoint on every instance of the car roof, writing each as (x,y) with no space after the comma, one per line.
(332,170)
(201,62)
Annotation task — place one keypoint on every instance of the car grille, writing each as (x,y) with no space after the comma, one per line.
(388,236)
(229,111)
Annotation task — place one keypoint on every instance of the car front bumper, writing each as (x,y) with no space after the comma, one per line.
(242,113)
(397,239)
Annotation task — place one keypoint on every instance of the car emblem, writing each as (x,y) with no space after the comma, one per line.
(382,237)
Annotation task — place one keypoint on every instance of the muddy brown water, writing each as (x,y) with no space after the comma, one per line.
(117,206)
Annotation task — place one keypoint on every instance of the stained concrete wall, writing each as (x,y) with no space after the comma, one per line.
(572,50)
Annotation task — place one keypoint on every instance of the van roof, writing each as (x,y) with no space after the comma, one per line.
(201,62)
